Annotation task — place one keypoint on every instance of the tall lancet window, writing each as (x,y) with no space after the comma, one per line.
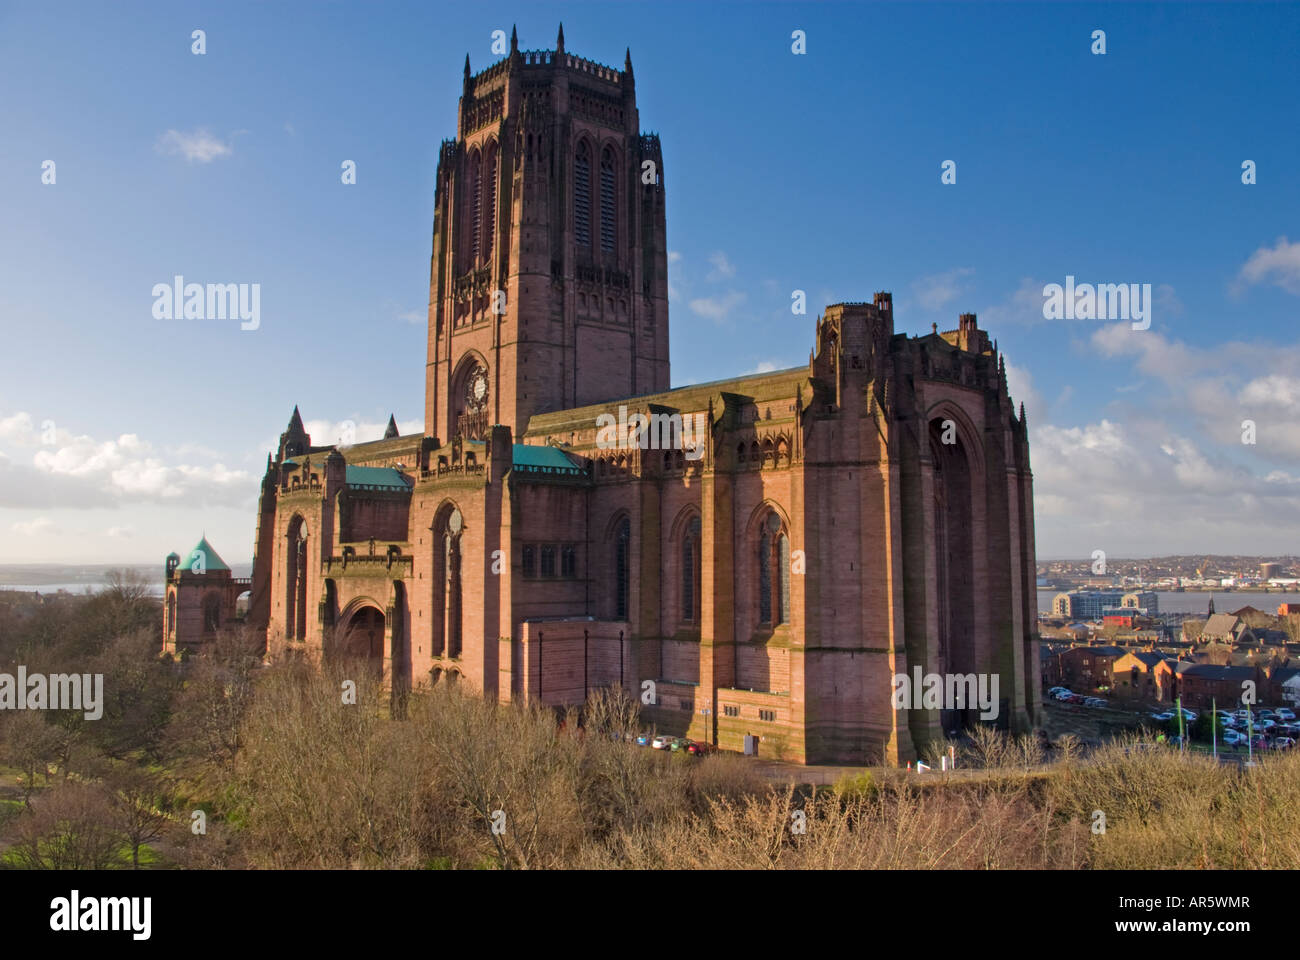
(607,207)
(622,545)
(582,196)
(475,206)
(489,199)
(773,573)
(451,564)
(691,572)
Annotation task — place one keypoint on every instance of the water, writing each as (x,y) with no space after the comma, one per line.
(78,589)
(1198,601)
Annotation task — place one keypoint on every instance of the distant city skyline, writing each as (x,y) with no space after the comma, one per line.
(124,436)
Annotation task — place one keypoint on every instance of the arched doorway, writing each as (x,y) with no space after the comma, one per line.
(361,639)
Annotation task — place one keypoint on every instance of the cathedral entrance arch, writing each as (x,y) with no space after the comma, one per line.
(361,636)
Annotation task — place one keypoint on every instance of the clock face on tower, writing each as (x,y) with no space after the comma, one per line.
(476,391)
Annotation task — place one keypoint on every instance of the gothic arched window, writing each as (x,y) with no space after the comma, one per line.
(582,196)
(773,573)
(489,199)
(691,572)
(607,201)
(622,546)
(474,227)
(446,582)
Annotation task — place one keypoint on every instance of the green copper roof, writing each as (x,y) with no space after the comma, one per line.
(210,559)
(539,459)
(383,477)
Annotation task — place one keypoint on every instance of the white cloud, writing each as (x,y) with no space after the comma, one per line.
(196,146)
(723,269)
(1279,265)
(938,289)
(354,430)
(36,527)
(674,256)
(1024,306)
(1129,489)
(120,533)
(1020,384)
(765,366)
(717,308)
(80,472)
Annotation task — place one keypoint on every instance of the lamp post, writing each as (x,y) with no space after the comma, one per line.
(707,713)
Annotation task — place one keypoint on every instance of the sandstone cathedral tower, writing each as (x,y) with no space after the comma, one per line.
(768,552)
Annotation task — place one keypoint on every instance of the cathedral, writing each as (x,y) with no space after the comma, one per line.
(756,557)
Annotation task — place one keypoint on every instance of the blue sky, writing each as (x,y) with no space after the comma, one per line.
(123,437)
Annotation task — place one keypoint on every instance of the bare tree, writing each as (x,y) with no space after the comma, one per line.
(70,827)
(142,802)
(31,745)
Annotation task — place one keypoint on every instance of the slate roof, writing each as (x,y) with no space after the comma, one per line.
(1220,625)
(1209,671)
(1106,651)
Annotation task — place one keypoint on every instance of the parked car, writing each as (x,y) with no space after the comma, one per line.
(1284,713)
(1284,743)
(1266,724)
(1053,691)
(680,744)
(1267,715)
(1064,694)
(1232,737)
(643,739)
(1162,717)
(1096,702)
(1188,715)
(695,748)
(662,742)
